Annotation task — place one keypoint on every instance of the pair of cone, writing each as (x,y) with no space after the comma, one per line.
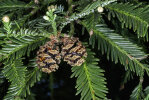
(49,55)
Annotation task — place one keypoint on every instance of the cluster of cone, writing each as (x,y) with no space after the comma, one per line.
(70,49)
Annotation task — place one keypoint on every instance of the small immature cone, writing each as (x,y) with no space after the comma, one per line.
(91,32)
(6,19)
(52,7)
(100,9)
(36,1)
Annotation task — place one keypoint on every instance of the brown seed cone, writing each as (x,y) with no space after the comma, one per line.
(73,52)
(49,56)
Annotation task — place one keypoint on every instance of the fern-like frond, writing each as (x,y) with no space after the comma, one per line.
(147,97)
(18,47)
(2,36)
(21,21)
(27,32)
(10,5)
(32,76)
(146,90)
(13,92)
(90,79)
(86,11)
(15,73)
(131,16)
(137,93)
(39,23)
(59,10)
(119,48)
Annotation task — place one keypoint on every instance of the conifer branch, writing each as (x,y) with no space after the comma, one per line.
(90,79)
(131,16)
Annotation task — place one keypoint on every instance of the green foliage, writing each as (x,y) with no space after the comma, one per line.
(90,79)
(15,73)
(15,48)
(119,48)
(147,97)
(137,93)
(21,79)
(146,90)
(86,11)
(28,32)
(32,76)
(2,38)
(12,93)
(13,5)
(51,17)
(131,16)
(10,6)
(7,27)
